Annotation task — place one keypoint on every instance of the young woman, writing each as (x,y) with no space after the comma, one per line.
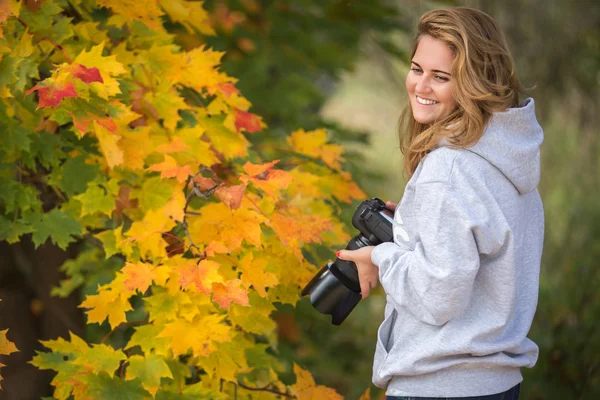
(461,277)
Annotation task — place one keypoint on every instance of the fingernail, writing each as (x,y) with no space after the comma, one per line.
(337,253)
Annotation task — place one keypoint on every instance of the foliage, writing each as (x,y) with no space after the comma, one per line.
(121,142)
(6,347)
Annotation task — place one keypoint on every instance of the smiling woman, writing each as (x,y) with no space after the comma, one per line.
(429,87)
(462,274)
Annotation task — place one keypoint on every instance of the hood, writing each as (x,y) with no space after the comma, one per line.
(511,142)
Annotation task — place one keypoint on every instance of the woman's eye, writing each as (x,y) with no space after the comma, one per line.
(441,78)
(416,70)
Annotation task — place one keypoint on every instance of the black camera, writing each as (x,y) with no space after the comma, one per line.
(335,289)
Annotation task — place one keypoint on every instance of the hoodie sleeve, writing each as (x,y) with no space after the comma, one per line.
(434,279)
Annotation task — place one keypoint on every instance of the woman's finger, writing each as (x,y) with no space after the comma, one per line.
(365,288)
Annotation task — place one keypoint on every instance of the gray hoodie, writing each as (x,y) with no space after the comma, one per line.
(462,275)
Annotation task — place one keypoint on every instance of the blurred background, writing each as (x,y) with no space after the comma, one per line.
(342,65)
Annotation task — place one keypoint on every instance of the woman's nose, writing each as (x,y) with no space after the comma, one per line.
(422,85)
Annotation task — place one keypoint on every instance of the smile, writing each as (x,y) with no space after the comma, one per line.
(426,102)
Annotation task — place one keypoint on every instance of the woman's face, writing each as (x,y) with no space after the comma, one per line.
(429,81)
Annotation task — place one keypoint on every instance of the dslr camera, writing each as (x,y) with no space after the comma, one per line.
(335,289)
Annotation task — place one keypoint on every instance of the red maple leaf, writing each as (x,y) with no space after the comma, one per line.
(51,96)
(88,75)
(228,89)
(248,121)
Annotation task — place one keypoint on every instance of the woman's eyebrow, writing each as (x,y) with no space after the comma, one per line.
(434,70)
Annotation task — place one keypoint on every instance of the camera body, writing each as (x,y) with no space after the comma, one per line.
(335,289)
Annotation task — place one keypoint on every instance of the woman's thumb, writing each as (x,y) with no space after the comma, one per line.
(341,254)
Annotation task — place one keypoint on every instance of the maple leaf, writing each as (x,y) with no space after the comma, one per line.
(305,387)
(51,96)
(112,301)
(228,89)
(109,144)
(147,233)
(254,274)
(314,144)
(231,291)
(218,223)
(202,275)
(199,335)
(138,276)
(257,169)
(169,169)
(231,195)
(173,146)
(149,370)
(6,347)
(87,75)
(247,121)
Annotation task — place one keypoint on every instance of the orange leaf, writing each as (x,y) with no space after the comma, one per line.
(138,276)
(51,96)
(88,75)
(228,89)
(169,169)
(202,275)
(231,292)
(173,147)
(215,247)
(248,121)
(256,169)
(204,183)
(232,196)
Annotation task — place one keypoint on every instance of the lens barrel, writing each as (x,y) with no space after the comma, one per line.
(329,295)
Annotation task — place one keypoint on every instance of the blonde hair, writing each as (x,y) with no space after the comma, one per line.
(484,81)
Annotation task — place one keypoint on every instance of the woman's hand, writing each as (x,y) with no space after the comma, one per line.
(368,273)
(391,206)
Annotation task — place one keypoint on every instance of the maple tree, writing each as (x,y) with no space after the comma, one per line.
(117,137)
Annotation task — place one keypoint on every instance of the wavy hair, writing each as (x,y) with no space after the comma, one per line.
(484,82)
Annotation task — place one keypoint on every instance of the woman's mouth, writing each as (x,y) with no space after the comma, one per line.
(426,102)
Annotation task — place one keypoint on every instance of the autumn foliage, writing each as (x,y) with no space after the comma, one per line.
(121,141)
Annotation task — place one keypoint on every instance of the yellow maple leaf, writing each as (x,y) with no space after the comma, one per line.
(6,347)
(112,301)
(136,146)
(305,387)
(138,276)
(198,335)
(218,223)
(314,144)
(254,274)
(147,233)
(174,207)
(109,144)
(189,14)
(146,11)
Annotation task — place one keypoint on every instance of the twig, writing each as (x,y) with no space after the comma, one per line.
(266,389)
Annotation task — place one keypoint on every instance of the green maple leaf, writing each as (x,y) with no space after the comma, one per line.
(155,193)
(56,225)
(11,231)
(149,370)
(74,175)
(95,199)
(103,386)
